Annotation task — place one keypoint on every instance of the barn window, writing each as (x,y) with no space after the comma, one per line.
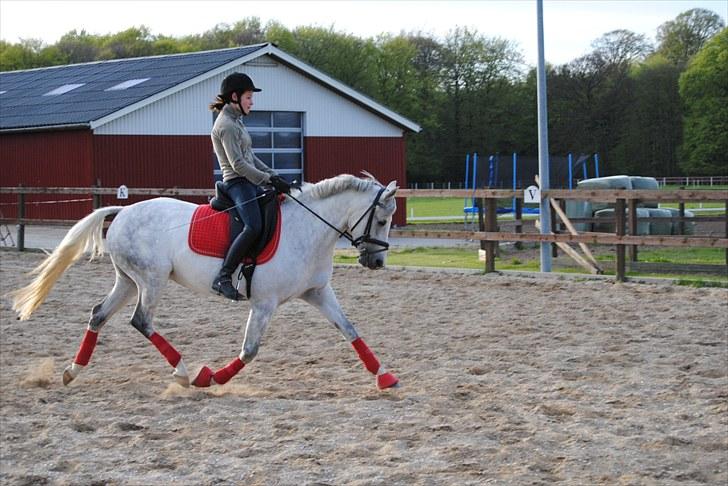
(277,141)
(126,84)
(64,89)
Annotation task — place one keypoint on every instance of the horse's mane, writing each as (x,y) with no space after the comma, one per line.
(338,184)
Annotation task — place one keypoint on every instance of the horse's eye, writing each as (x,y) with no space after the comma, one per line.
(381,223)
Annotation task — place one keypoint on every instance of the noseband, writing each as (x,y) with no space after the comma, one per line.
(366,237)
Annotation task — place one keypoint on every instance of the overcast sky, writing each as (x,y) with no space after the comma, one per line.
(570,25)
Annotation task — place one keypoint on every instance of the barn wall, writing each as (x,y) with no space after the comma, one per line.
(284,89)
(47,159)
(383,157)
(153,161)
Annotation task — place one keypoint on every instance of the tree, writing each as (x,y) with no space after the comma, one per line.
(343,56)
(473,72)
(652,127)
(590,97)
(704,91)
(16,56)
(424,149)
(620,47)
(133,42)
(241,33)
(79,47)
(682,38)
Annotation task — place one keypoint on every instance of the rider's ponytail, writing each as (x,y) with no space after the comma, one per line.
(219,103)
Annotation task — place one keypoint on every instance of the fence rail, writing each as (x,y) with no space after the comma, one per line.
(694,181)
(486,201)
(698,181)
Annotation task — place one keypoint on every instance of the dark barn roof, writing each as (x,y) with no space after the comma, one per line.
(25,104)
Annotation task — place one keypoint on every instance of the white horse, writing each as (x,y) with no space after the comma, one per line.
(147,243)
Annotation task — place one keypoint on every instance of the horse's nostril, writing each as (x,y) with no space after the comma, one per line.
(380,262)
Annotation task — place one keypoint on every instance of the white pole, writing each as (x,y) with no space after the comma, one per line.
(543,144)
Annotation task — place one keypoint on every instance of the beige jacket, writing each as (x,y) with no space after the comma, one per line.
(233,147)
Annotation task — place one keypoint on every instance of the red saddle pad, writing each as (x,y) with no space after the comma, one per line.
(210,234)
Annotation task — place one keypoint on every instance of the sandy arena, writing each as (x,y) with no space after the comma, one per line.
(504,381)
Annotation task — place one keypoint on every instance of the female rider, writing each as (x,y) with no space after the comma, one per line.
(242,172)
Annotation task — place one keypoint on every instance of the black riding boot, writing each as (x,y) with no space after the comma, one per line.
(223,283)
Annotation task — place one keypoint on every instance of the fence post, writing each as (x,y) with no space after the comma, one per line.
(96,197)
(681,213)
(554,230)
(519,221)
(619,213)
(491,225)
(632,221)
(480,203)
(21,225)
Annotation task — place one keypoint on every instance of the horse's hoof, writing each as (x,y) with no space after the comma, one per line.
(387,380)
(180,375)
(67,377)
(71,372)
(182,380)
(204,378)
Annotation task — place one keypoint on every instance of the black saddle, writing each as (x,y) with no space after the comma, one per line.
(268,204)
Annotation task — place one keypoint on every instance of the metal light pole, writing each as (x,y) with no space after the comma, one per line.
(543,144)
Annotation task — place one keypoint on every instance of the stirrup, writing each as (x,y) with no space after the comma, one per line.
(224,286)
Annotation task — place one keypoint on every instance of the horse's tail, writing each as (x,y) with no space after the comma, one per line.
(85,235)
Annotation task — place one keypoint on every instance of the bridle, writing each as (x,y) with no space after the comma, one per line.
(366,237)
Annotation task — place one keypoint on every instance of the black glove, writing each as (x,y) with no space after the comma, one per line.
(280,184)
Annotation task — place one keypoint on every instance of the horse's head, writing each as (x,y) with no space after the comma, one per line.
(370,230)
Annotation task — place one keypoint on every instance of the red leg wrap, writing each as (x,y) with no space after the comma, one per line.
(386,380)
(223,375)
(365,354)
(87,348)
(203,378)
(166,349)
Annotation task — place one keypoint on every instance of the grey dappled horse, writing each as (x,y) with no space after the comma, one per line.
(147,243)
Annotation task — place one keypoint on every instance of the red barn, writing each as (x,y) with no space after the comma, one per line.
(144,122)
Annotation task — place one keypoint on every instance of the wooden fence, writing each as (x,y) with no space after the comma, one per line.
(625,202)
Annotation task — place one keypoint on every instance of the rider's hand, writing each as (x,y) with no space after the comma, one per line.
(280,184)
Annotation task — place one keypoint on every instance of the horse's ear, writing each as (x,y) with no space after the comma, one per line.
(391,190)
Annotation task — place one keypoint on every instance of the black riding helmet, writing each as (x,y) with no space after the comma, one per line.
(237,83)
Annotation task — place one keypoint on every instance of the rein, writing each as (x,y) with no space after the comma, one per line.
(366,236)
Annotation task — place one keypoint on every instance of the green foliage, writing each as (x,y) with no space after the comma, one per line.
(682,38)
(590,97)
(27,54)
(342,56)
(653,129)
(476,74)
(704,90)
